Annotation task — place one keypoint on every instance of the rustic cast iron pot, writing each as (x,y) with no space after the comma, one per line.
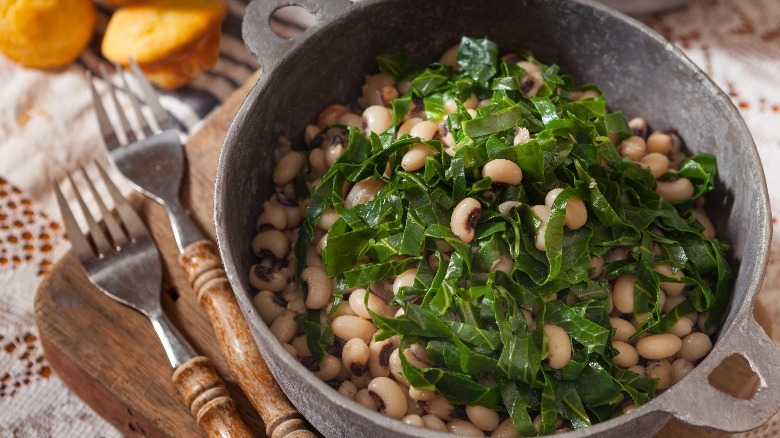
(641,74)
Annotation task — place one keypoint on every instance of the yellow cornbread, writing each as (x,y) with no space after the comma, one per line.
(172,41)
(45,33)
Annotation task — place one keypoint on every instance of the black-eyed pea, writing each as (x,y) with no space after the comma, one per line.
(657,163)
(330,115)
(559,344)
(464,219)
(695,346)
(290,349)
(421,394)
(362,381)
(379,359)
(596,267)
(396,368)
(627,355)
(472,102)
(504,264)
(440,407)
(576,212)
(350,119)
(317,164)
(623,329)
(375,304)
(638,126)
(506,430)
(333,151)
(388,93)
(425,130)
(372,89)
(661,370)
(629,407)
(316,286)
(681,368)
(414,158)
(267,278)
(633,148)
(522,135)
(418,356)
(389,397)
(616,254)
(405,279)
(376,119)
(269,305)
(450,106)
(656,347)
(659,142)
(347,389)
(532,80)
(297,305)
(464,428)
(483,418)
(704,220)
(701,323)
(639,369)
(680,189)
(413,420)
(406,127)
(284,326)
(433,422)
(543,213)
(355,355)
(270,242)
(623,293)
(321,244)
(301,346)
(330,368)
(288,168)
(450,57)
(272,215)
(671,289)
(682,327)
(364,398)
(310,132)
(342,309)
(363,191)
(502,171)
(327,219)
(348,327)
(672,301)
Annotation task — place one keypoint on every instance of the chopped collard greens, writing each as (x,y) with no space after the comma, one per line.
(480,306)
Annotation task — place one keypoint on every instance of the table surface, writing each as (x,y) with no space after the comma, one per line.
(736,43)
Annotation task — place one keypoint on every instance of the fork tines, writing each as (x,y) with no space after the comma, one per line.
(161,118)
(117,235)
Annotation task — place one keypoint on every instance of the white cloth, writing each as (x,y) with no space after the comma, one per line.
(47,128)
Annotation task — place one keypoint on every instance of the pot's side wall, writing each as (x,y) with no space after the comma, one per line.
(638,74)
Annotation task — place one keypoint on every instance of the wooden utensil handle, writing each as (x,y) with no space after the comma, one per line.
(206,396)
(204,269)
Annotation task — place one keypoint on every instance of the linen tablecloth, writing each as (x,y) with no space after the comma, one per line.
(47,128)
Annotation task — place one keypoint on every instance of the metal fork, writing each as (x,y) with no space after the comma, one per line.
(125,265)
(154,163)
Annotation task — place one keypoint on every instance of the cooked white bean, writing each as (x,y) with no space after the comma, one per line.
(450,57)
(464,428)
(506,430)
(272,242)
(658,346)
(681,368)
(421,394)
(623,293)
(284,326)
(661,370)
(363,191)
(464,219)
(639,369)
(669,287)
(413,420)
(316,286)
(355,355)
(379,359)
(482,417)
(659,142)
(377,119)
(330,368)
(629,407)
(576,213)
(414,158)
(682,327)
(695,346)
(680,189)
(363,397)
(425,130)
(348,327)
(389,397)
(633,148)
(623,329)
(672,301)
(269,305)
(407,126)
(327,219)
(627,355)
(376,304)
(657,163)
(559,346)
(347,389)
(288,168)
(434,423)
(702,322)
(502,171)
(405,279)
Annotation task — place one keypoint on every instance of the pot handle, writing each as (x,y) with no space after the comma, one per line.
(268,47)
(720,410)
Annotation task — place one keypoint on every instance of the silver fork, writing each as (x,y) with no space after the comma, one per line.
(154,163)
(125,265)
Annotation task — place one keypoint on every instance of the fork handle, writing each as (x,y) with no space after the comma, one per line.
(205,394)
(203,266)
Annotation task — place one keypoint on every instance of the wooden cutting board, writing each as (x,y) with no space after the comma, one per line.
(109,355)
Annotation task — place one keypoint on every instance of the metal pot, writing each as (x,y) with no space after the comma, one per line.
(640,72)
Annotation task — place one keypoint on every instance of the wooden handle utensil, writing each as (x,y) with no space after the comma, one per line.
(203,266)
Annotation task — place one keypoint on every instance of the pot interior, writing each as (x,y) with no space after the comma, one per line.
(639,73)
